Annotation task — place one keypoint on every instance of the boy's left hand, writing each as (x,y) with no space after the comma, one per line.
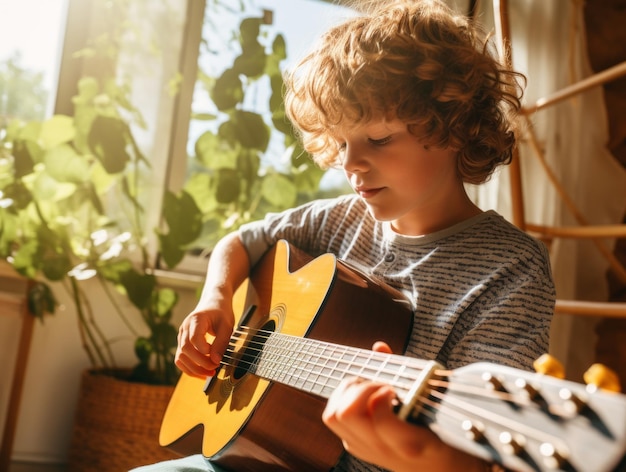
(361,413)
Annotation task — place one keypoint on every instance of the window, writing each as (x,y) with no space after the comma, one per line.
(237,155)
(31,33)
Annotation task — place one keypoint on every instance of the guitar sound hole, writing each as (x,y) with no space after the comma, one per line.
(253,349)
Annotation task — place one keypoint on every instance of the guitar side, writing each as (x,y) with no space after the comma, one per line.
(247,423)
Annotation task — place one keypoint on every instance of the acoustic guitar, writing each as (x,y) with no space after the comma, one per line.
(307,323)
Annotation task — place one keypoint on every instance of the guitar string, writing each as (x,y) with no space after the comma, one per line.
(429,407)
(399,362)
(322,378)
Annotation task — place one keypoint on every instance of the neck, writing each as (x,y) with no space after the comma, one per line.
(437,217)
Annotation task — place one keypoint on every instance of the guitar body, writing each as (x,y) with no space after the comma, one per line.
(245,423)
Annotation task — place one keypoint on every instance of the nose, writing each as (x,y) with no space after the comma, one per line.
(354,159)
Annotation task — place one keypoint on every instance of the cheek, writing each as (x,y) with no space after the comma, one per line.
(433,167)
(421,171)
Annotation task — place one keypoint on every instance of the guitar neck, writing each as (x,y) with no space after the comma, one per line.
(318,367)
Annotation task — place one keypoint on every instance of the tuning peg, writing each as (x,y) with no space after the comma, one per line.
(549,365)
(602,377)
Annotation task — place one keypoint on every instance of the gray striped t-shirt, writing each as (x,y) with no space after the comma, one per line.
(481,290)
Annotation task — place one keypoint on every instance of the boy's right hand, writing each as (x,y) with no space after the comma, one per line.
(205,333)
(196,355)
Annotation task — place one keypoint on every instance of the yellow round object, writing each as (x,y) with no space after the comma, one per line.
(549,365)
(602,377)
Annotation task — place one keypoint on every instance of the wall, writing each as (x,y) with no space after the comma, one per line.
(55,364)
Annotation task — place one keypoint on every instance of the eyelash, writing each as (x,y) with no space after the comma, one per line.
(375,142)
(380,142)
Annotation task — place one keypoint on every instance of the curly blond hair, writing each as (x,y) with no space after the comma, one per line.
(415,61)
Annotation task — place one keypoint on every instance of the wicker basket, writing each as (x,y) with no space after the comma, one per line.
(117,424)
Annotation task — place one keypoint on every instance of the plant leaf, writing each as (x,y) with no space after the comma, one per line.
(26,153)
(279,191)
(107,139)
(214,152)
(251,62)
(143,349)
(183,217)
(228,186)
(65,165)
(250,130)
(41,300)
(57,130)
(138,287)
(170,251)
(25,259)
(20,195)
(164,301)
(227,91)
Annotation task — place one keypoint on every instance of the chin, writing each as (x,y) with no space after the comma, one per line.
(379,214)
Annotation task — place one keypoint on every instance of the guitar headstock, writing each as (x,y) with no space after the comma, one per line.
(528,421)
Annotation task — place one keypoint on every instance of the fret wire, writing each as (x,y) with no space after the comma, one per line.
(296,347)
(290,371)
(314,370)
(311,369)
(288,344)
(293,363)
(327,353)
(267,363)
(325,381)
(333,381)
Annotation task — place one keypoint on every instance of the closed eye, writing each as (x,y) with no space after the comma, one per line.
(380,142)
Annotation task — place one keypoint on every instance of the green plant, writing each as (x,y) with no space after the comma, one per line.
(72,190)
(70,212)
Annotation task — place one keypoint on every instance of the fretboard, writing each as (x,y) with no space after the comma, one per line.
(318,367)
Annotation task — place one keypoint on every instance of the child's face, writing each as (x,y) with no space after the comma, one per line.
(400,179)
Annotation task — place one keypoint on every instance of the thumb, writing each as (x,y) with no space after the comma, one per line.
(381,346)
(223,333)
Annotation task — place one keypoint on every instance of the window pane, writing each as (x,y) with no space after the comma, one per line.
(243,159)
(31,33)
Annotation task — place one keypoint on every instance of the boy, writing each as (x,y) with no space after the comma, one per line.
(408,103)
